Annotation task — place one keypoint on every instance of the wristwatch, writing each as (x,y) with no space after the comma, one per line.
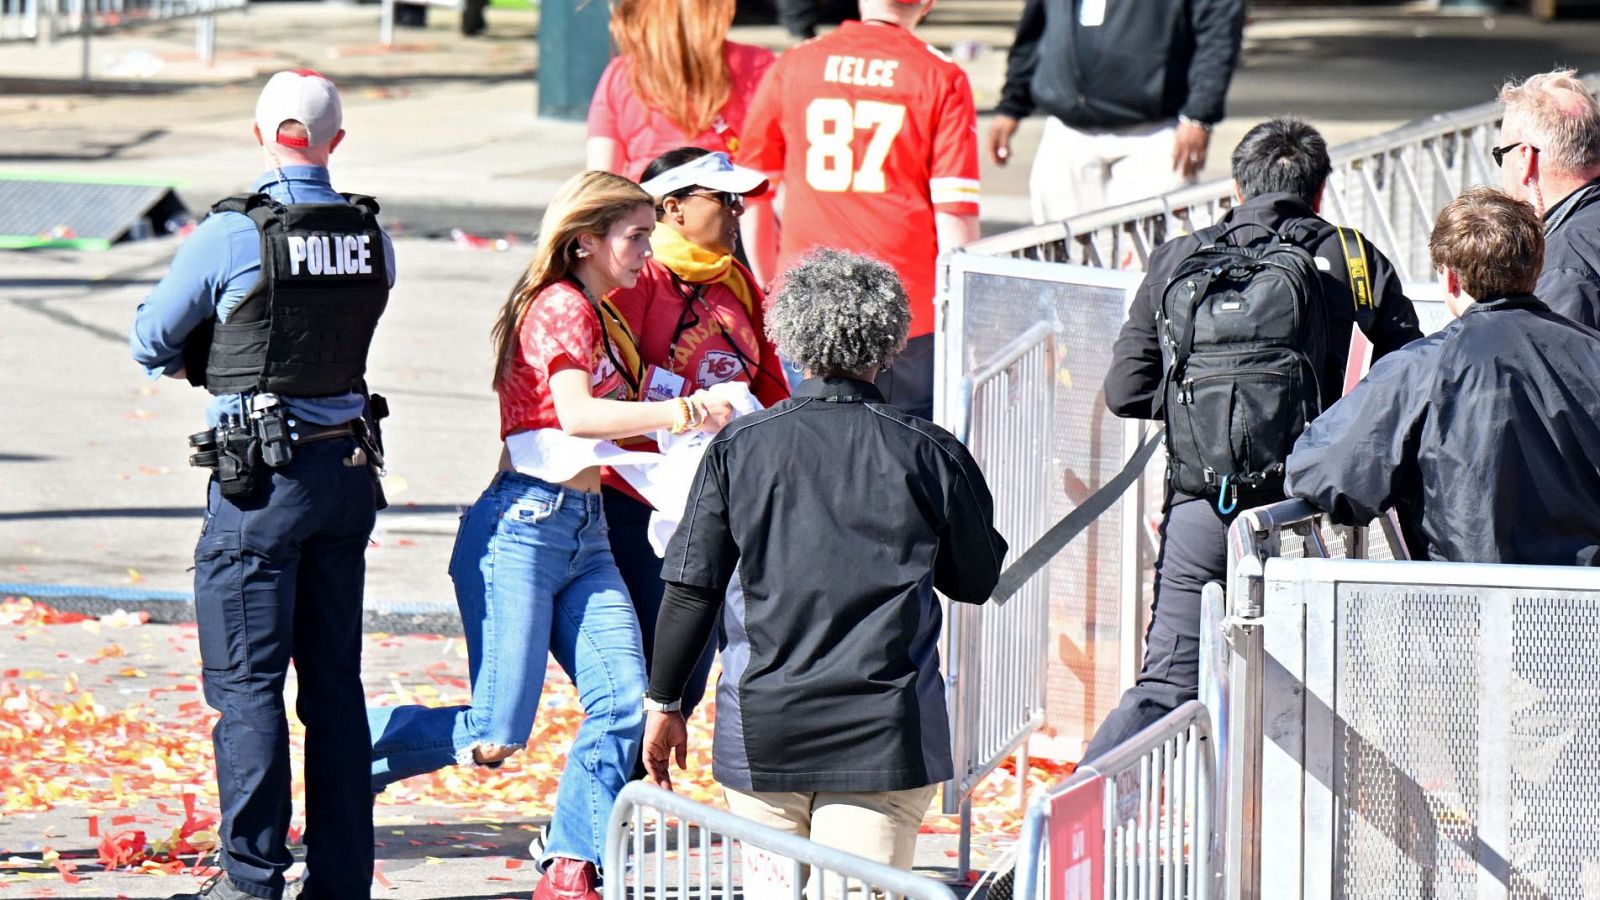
(658,706)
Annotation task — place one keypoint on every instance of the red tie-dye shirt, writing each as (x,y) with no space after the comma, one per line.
(559,331)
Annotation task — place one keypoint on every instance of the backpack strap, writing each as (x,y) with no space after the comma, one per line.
(1184,344)
(1356,264)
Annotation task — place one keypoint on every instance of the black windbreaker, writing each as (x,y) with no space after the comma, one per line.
(1484,437)
(1149,61)
(1570,282)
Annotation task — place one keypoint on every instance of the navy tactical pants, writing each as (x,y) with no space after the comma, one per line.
(1194,550)
(278,577)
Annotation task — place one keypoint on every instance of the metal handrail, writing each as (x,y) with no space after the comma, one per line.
(1019,347)
(639,795)
(1377,174)
(1128,756)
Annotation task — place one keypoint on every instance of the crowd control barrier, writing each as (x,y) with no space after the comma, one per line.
(1135,824)
(1390,186)
(1417,730)
(660,845)
(53,19)
(19,20)
(1021,352)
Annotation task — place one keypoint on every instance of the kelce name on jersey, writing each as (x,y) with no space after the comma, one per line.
(331,254)
(864,72)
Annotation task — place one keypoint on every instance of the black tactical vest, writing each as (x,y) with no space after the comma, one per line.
(304,329)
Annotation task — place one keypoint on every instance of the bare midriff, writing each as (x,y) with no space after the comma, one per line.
(588,480)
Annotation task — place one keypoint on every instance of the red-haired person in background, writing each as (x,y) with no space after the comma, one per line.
(677,81)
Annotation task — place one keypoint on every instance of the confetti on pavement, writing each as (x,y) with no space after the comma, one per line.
(121,734)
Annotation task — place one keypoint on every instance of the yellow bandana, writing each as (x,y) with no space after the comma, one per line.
(698,265)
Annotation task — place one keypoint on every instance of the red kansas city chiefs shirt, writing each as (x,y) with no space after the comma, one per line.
(870,131)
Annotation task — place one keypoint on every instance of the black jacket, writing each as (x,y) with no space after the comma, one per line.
(1570,283)
(843,515)
(1149,61)
(1484,437)
(1390,323)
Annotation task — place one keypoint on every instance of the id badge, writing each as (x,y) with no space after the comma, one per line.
(661,384)
(1092,14)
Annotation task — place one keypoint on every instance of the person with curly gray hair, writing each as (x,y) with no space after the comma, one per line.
(843,515)
(840,314)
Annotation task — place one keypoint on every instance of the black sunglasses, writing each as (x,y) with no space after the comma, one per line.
(722,198)
(1499,153)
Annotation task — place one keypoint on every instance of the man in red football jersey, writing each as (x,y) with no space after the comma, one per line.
(873,137)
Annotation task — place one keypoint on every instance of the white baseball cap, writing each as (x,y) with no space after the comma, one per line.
(307,97)
(714,170)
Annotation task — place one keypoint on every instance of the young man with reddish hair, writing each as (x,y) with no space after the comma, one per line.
(873,137)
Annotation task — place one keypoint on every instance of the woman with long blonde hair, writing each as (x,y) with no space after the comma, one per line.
(532,567)
(677,81)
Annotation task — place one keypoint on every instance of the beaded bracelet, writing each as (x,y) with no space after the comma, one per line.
(683,416)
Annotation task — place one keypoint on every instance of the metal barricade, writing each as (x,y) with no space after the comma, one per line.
(1415,729)
(1135,824)
(1022,350)
(88,18)
(1390,186)
(1232,656)
(997,651)
(1428,730)
(19,20)
(660,845)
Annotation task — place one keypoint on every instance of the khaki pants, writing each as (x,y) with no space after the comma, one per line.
(878,825)
(1083,171)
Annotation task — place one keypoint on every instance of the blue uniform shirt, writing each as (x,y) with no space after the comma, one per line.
(213,270)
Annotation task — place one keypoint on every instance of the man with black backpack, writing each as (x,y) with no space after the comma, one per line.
(1237,338)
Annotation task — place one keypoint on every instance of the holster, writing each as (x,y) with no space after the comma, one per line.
(239,468)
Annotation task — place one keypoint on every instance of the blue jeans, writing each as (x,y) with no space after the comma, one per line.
(277,577)
(534,577)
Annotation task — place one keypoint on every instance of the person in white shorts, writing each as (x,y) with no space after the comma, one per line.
(1132,90)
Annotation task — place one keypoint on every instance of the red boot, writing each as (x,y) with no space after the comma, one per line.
(568,879)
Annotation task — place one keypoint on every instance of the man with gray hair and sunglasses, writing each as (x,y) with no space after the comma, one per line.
(1549,157)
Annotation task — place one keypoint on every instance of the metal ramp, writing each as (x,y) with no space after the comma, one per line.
(86,214)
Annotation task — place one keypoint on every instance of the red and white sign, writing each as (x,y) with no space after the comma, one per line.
(1077,838)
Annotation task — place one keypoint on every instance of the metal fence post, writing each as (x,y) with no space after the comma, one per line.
(386,24)
(88,29)
(1247,664)
(205,38)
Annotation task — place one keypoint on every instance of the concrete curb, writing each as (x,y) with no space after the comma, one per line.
(174,607)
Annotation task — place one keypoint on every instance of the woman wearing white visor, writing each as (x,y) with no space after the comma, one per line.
(697,314)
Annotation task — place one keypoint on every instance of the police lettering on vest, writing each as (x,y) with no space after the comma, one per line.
(330,254)
(305,328)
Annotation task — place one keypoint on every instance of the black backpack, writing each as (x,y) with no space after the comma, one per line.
(1243,335)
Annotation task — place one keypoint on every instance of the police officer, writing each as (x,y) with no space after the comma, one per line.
(1279,169)
(271,305)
